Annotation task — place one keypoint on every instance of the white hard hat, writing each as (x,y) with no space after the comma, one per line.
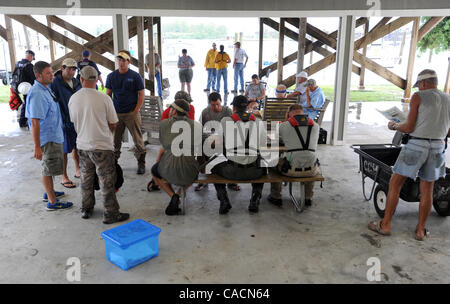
(24,88)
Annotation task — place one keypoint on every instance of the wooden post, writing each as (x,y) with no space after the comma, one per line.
(151,59)
(412,56)
(364,52)
(280,51)
(160,52)
(11,44)
(447,82)
(50,41)
(402,46)
(301,44)
(140,42)
(261,43)
(66,33)
(27,38)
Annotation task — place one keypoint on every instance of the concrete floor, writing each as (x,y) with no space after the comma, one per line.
(328,243)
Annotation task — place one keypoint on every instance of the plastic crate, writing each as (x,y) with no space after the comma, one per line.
(131,244)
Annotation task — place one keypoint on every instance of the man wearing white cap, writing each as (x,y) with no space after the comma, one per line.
(300,89)
(428,125)
(95,120)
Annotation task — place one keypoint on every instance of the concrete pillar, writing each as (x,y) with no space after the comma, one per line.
(120,34)
(344,60)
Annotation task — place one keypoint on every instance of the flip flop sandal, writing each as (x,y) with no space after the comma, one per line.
(234,187)
(200,187)
(66,185)
(152,186)
(426,233)
(376,227)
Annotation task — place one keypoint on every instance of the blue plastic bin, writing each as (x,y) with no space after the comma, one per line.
(131,244)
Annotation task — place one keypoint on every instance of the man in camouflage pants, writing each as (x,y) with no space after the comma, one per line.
(95,119)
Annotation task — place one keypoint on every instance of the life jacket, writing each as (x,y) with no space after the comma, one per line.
(244,117)
(299,121)
(18,75)
(14,100)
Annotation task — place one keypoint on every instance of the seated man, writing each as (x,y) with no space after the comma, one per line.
(280,91)
(255,91)
(176,163)
(299,135)
(242,154)
(300,88)
(315,98)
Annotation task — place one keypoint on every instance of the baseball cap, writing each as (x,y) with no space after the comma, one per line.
(124,56)
(183,95)
(240,101)
(70,63)
(86,53)
(302,74)
(89,73)
(310,82)
(180,105)
(425,74)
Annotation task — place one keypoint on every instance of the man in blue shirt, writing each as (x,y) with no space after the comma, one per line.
(44,119)
(315,98)
(64,85)
(86,61)
(126,88)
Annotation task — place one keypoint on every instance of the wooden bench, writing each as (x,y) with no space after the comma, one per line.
(272,177)
(151,112)
(275,109)
(321,114)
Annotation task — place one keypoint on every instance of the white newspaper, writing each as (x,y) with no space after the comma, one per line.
(394,114)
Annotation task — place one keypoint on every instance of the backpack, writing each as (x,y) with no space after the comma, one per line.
(14,100)
(18,75)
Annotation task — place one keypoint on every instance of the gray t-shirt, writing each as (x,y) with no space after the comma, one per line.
(209,115)
(433,118)
(299,159)
(254,90)
(185,63)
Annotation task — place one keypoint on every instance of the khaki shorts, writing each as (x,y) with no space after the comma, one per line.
(52,159)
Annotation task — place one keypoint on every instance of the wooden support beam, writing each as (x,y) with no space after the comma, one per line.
(447,82)
(140,41)
(364,53)
(151,61)
(260,48)
(428,26)
(3,33)
(11,42)
(281,29)
(302,25)
(160,52)
(411,59)
(51,42)
(61,39)
(382,22)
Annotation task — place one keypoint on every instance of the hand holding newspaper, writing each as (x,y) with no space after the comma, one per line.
(394,114)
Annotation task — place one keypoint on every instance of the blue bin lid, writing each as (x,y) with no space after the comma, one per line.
(131,233)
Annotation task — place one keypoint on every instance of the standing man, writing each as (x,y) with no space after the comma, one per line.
(126,88)
(185,64)
(23,72)
(210,66)
(157,61)
(64,86)
(85,61)
(300,88)
(95,120)
(44,119)
(222,61)
(239,66)
(428,125)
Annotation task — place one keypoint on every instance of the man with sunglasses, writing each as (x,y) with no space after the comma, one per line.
(64,86)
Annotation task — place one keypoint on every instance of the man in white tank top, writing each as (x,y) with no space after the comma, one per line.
(428,125)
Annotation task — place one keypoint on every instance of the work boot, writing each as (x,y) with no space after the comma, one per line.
(225,205)
(172,208)
(141,169)
(118,218)
(275,201)
(308,202)
(254,203)
(86,213)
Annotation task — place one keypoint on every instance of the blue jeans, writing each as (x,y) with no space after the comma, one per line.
(211,78)
(158,81)
(238,72)
(224,73)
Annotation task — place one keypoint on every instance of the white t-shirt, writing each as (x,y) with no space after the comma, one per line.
(91,112)
(301,87)
(240,54)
